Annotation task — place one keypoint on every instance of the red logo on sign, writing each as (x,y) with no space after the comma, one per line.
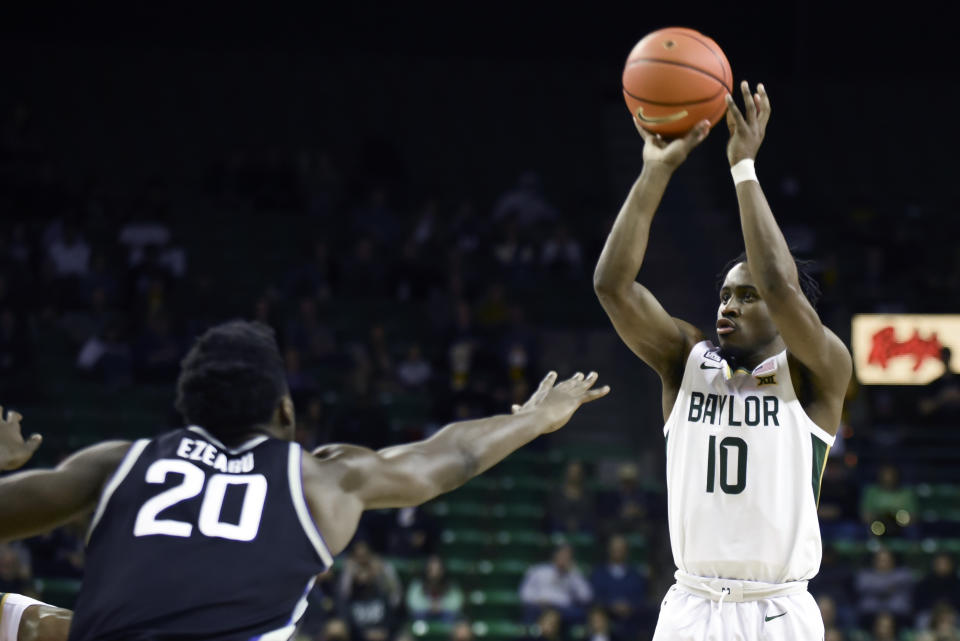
(886,346)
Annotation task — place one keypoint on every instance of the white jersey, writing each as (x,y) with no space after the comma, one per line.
(744,466)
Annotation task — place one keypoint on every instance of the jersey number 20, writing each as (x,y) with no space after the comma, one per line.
(209,523)
(731,442)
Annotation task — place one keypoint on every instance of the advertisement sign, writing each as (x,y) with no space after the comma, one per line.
(903,349)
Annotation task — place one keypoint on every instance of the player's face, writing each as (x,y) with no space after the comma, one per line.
(743,320)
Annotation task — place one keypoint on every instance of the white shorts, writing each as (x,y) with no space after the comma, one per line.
(690,617)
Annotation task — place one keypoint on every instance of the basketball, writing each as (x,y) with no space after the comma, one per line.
(674,78)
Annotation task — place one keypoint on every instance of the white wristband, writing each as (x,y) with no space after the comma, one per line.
(743,171)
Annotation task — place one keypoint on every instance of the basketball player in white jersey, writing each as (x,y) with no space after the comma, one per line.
(23,618)
(748,422)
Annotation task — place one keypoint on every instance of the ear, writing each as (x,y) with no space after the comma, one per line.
(285,412)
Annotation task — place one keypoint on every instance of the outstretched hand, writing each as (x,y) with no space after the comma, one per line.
(657,151)
(747,131)
(14,451)
(559,402)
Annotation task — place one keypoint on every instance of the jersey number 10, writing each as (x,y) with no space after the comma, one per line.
(208,522)
(726,445)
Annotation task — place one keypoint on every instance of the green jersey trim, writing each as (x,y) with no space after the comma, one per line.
(820,451)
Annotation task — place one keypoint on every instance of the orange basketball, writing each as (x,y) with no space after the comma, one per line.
(674,78)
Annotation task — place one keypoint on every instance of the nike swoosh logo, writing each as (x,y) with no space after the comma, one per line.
(705,366)
(656,120)
(775,617)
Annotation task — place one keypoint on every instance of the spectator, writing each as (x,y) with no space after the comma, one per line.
(364,271)
(413,532)
(831,616)
(834,634)
(570,508)
(940,585)
(886,506)
(157,352)
(548,627)
(315,277)
(518,347)
(462,631)
(838,502)
(379,572)
(414,371)
(835,581)
(941,401)
(598,626)
(107,356)
(142,232)
(943,625)
(525,203)
(884,627)
(308,334)
(885,588)
(561,253)
(366,608)
(322,606)
(627,507)
(335,630)
(492,310)
(557,585)
(15,573)
(434,597)
(70,254)
(618,587)
(59,554)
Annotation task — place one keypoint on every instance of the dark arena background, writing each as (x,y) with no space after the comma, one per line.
(414,197)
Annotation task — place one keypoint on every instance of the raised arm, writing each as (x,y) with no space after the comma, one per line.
(36,501)
(341,481)
(772,266)
(658,339)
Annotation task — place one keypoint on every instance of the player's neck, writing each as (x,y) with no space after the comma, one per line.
(750,359)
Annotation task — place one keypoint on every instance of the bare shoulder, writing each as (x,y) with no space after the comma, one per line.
(332,476)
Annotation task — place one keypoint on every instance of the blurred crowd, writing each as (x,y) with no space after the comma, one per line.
(99,284)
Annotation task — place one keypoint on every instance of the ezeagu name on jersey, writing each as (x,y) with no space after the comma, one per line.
(203,452)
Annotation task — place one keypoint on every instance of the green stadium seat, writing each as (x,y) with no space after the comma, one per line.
(430,630)
(59,592)
(502,603)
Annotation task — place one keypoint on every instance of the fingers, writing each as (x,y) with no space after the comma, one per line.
(734,114)
(594,394)
(646,135)
(749,106)
(33,443)
(696,135)
(545,386)
(763,105)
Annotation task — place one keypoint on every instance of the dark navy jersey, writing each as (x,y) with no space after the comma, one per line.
(195,540)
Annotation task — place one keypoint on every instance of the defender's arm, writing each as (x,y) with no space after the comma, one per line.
(414,473)
(37,501)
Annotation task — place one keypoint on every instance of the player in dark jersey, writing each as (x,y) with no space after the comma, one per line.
(216,531)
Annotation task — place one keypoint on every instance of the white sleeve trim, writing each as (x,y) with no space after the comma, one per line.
(295,474)
(129,459)
(12,607)
(822,434)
